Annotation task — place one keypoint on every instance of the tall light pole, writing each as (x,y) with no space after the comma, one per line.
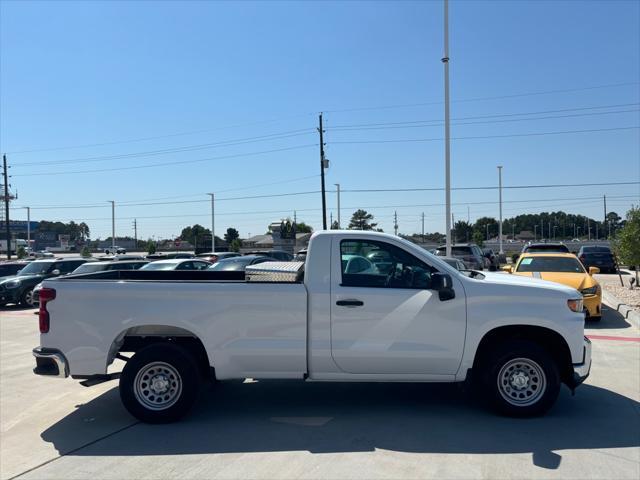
(213,222)
(535,233)
(447,139)
(28,228)
(113,223)
(338,193)
(500,200)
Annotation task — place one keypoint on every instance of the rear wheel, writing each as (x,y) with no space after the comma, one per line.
(160,383)
(520,379)
(27,298)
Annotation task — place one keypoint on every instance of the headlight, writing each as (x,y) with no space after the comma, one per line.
(575,305)
(590,291)
(12,284)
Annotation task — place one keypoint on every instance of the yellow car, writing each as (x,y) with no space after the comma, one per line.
(564,268)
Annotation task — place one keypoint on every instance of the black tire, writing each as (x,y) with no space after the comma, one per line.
(26,299)
(534,363)
(176,370)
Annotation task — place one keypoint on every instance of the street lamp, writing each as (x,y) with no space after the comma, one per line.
(535,232)
(28,228)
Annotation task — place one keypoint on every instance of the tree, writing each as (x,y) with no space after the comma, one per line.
(84,230)
(334,225)
(361,220)
(231,235)
(481,226)
(302,227)
(235,245)
(21,253)
(478,238)
(86,253)
(627,241)
(462,231)
(152,247)
(191,234)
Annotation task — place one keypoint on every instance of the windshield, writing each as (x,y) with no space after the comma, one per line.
(36,268)
(550,264)
(159,266)
(231,264)
(88,268)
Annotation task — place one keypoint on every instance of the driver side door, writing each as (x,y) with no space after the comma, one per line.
(385,318)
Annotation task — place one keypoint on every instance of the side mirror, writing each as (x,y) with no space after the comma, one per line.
(593,270)
(507,268)
(55,272)
(443,284)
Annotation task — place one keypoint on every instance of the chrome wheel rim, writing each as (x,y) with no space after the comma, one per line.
(521,382)
(157,386)
(28,298)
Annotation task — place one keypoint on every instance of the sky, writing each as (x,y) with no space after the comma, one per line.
(155,104)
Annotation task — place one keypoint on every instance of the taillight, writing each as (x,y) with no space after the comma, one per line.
(575,305)
(46,295)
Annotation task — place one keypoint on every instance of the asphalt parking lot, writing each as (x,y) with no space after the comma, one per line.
(55,428)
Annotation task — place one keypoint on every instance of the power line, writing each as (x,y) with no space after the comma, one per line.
(488,187)
(533,134)
(477,99)
(157,137)
(163,164)
(493,115)
(185,148)
(482,122)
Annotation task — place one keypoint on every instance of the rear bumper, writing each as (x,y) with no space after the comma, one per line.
(581,370)
(50,362)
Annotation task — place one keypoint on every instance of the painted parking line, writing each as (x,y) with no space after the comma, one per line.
(609,337)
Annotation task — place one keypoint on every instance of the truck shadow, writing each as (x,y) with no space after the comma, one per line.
(270,416)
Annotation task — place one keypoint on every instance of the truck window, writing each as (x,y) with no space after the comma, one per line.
(367,263)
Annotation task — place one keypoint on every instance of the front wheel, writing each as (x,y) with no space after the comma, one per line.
(160,383)
(520,379)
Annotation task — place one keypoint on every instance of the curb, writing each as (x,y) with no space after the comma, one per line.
(625,310)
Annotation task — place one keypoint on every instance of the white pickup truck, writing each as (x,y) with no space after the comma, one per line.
(363,307)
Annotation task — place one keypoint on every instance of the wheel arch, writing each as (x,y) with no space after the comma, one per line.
(135,338)
(549,339)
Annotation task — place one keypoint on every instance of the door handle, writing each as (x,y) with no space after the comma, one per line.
(350,303)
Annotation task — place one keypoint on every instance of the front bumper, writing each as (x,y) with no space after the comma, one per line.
(593,304)
(50,362)
(581,370)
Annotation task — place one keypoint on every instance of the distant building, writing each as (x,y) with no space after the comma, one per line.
(525,235)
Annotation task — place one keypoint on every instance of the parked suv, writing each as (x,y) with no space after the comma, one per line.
(597,256)
(18,288)
(469,253)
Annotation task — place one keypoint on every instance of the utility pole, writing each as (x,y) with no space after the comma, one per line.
(541,229)
(213,222)
(330,220)
(395,222)
(113,223)
(28,228)
(6,205)
(604,228)
(447,140)
(535,233)
(468,214)
(453,224)
(322,167)
(295,217)
(422,227)
(487,229)
(135,232)
(500,200)
(338,193)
